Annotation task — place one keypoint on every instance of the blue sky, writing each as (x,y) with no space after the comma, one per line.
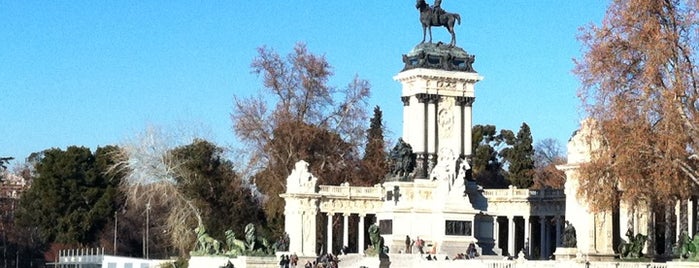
(95,73)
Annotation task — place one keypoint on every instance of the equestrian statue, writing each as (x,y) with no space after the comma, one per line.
(436,16)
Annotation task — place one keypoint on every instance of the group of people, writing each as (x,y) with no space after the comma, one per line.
(418,243)
(324,261)
(287,261)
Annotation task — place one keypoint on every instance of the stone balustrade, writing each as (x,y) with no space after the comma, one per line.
(347,191)
(513,193)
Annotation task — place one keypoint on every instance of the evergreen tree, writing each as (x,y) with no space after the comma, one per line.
(520,158)
(375,156)
(72,198)
(3,166)
(487,165)
(226,201)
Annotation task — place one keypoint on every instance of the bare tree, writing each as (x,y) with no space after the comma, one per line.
(640,87)
(299,116)
(150,181)
(548,154)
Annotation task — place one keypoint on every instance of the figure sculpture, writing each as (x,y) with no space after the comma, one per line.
(688,248)
(206,244)
(569,236)
(250,237)
(632,249)
(436,16)
(234,246)
(376,240)
(402,158)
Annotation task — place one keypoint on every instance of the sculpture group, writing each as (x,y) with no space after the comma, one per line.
(403,160)
(251,246)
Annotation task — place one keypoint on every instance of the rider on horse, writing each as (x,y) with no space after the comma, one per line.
(437,8)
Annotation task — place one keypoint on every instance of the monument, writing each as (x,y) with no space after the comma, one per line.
(434,201)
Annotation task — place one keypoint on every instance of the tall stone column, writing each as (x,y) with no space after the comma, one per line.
(432,131)
(543,247)
(496,232)
(421,136)
(360,236)
(408,111)
(558,230)
(511,236)
(345,229)
(466,104)
(329,246)
(309,246)
(527,234)
(692,215)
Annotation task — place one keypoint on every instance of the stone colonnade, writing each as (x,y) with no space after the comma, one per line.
(361,239)
(549,234)
(526,220)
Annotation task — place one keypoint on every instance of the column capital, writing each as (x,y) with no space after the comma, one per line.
(434,98)
(405,100)
(422,97)
(465,101)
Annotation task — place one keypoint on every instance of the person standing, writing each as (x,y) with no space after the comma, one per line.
(408,245)
(420,244)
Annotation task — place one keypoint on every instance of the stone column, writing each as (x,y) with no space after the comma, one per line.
(407,126)
(678,219)
(345,230)
(420,136)
(360,239)
(309,247)
(329,246)
(558,230)
(542,251)
(432,132)
(496,231)
(466,104)
(692,215)
(527,234)
(511,236)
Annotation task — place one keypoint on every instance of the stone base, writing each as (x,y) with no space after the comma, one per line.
(682,264)
(239,262)
(600,257)
(372,262)
(566,254)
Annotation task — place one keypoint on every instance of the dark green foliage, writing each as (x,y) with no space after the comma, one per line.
(520,158)
(72,197)
(494,151)
(487,167)
(225,200)
(4,161)
(374,164)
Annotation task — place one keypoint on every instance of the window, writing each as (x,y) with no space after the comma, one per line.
(386,227)
(462,228)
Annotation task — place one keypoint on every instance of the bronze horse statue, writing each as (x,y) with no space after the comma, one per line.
(431,17)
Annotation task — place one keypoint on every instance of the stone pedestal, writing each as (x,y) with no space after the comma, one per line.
(565,254)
